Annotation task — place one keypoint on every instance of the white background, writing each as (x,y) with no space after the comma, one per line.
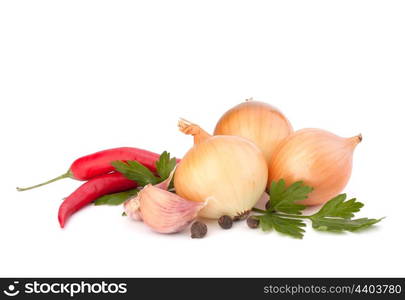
(81,76)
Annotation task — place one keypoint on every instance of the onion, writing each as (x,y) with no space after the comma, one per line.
(228,172)
(319,158)
(258,122)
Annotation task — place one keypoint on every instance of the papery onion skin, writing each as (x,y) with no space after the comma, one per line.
(319,158)
(259,122)
(228,172)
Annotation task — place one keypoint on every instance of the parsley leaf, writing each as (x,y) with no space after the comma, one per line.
(285,216)
(337,214)
(338,225)
(292,227)
(284,199)
(116,198)
(133,170)
(338,207)
(165,165)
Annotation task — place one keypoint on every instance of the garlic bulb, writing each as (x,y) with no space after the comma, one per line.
(228,172)
(258,122)
(319,158)
(163,211)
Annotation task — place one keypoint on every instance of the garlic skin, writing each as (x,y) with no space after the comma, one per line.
(259,122)
(131,208)
(161,210)
(319,158)
(229,172)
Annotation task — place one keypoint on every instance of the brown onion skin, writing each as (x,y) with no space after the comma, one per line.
(259,122)
(319,158)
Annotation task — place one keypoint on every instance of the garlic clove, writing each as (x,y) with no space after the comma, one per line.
(164,185)
(131,208)
(163,211)
(166,212)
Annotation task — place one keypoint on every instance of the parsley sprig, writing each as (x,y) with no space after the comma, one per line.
(116,198)
(133,170)
(285,215)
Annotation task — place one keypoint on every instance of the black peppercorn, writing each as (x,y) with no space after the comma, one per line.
(225,222)
(198,230)
(252,222)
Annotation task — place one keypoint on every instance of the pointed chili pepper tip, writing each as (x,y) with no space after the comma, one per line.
(61,222)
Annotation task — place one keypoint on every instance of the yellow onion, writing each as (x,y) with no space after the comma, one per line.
(228,172)
(319,158)
(258,122)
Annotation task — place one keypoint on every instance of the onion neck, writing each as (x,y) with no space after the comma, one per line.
(196,131)
(356,140)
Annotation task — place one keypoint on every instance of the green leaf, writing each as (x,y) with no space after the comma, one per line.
(338,207)
(133,170)
(336,215)
(165,165)
(284,199)
(288,226)
(265,222)
(116,198)
(338,225)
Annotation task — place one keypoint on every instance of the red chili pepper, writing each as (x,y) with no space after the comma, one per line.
(99,163)
(90,191)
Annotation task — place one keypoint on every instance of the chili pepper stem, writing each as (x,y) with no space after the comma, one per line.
(68,174)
